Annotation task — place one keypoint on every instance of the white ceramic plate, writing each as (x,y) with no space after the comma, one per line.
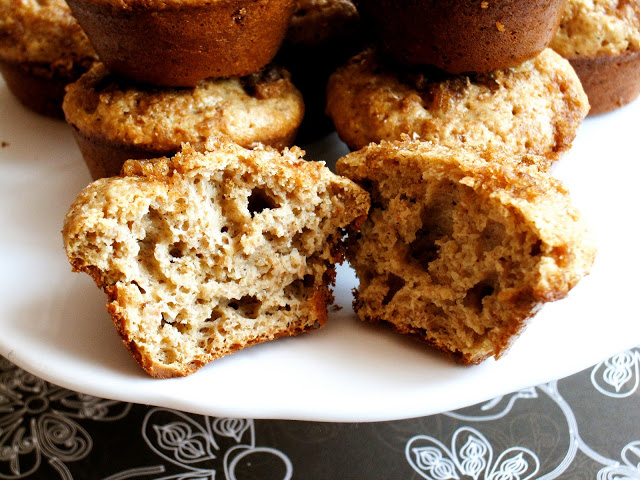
(53,322)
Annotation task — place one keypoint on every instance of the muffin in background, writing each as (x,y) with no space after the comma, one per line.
(177,43)
(462,36)
(534,108)
(42,49)
(213,250)
(601,39)
(114,120)
(322,35)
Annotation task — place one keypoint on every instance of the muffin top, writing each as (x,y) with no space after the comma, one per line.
(533,108)
(260,108)
(598,27)
(41,31)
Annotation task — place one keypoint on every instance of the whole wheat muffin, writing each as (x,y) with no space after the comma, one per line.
(535,108)
(461,252)
(462,36)
(320,22)
(42,49)
(322,35)
(601,39)
(212,251)
(114,120)
(177,43)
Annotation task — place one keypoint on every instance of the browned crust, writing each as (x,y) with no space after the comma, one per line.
(40,87)
(105,158)
(319,301)
(206,39)
(465,36)
(610,81)
(512,332)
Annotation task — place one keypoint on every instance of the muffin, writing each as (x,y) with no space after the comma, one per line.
(462,36)
(42,49)
(460,252)
(601,39)
(178,42)
(212,251)
(535,107)
(322,35)
(321,22)
(114,120)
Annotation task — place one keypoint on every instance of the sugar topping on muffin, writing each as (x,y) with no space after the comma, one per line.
(106,110)
(535,108)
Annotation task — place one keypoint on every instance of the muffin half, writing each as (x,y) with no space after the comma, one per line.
(460,252)
(212,251)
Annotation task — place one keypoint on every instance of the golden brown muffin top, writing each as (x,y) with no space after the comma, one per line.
(598,27)
(252,109)
(534,108)
(458,251)
(41,31)
(212,250)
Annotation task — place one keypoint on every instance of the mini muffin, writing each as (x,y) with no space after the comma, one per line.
(178,42)
(322,35)
(322,22)
(462,36)
(42,49)
(213,250)
(460,252)
(535,107)
(114,120)
(601,39)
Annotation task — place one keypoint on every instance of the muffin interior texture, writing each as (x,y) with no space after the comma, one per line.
(203,255)
(446,256)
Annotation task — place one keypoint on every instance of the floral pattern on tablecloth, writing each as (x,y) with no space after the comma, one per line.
(586,426)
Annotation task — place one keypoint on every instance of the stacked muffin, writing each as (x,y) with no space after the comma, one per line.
(458,113)
(202,246)
(321,36)
(177,71)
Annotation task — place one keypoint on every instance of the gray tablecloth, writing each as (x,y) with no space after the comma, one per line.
(586,426)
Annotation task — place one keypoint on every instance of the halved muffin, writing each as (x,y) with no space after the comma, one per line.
(458,251)
(214,250)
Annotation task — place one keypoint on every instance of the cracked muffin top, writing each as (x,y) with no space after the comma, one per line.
(260,108)
(534,108)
